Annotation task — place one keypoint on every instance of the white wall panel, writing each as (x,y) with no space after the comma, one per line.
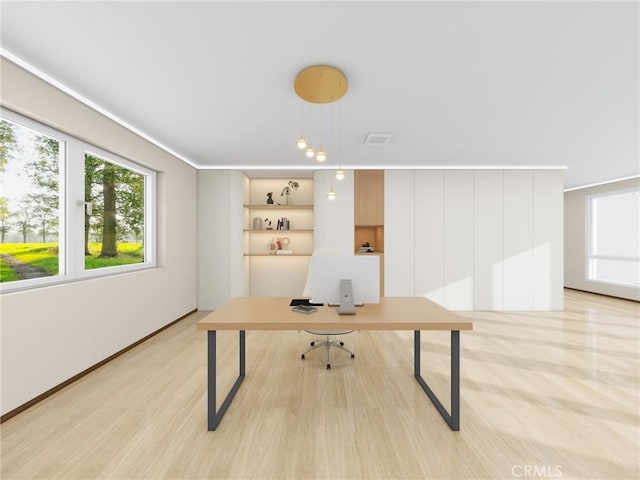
(548,239)
(458,239)
(220,240)
(399,233)
(333,218)
(238,194)
(518,240)
(429,235)
(488,240)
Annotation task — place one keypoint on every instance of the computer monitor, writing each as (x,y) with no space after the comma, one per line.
(327,271)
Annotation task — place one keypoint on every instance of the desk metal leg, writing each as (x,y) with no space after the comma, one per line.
(453,419)
(213,417)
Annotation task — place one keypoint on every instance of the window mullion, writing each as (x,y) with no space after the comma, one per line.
(75,209)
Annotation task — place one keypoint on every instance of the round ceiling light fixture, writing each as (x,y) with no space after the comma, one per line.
(320,84)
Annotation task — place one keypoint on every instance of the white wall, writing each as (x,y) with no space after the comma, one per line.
(575,247)
(475,240)
(50,334)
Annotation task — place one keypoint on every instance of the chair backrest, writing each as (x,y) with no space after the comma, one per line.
(307,290)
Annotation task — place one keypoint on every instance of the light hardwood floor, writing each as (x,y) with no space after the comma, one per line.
(543,395)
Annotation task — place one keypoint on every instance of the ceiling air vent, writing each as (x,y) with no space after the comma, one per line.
(378,138)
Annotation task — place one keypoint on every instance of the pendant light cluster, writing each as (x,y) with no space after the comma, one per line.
(319,85)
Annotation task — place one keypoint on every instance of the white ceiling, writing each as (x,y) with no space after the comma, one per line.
(457,83)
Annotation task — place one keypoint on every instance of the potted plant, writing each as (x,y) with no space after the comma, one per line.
(288,189)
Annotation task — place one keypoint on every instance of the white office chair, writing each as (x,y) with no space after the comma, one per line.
(327,342)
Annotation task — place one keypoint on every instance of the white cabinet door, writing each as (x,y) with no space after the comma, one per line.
(488,240)
(429,234)
(458,239)
(518,240)
(398,233)
(238,272)
(548,240)
(221,271)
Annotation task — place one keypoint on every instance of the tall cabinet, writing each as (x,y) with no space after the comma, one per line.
(368,207)
(476,239)
(222,270)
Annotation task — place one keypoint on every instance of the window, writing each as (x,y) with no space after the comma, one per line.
(614,237)
(31,172)
(69,210)
(114,215)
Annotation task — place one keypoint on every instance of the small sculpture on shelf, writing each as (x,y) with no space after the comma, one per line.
(278,246)
(366,248)
(267,222)
(269,199)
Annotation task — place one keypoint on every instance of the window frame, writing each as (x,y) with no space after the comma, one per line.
(150,178)
(71,208)
(590,241)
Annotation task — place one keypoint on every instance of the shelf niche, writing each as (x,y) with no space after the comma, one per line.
(281,277)
(369,214)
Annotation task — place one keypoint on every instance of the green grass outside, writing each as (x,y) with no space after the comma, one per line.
(6,273)
(41,255)
(45,256)
(128,253)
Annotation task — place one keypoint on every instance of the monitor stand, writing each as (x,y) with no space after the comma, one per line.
(347,307)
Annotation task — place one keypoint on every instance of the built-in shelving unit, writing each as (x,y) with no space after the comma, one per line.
(299,235)
(271,273)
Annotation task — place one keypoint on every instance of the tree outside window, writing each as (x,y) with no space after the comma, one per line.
(30,203)
(114,225)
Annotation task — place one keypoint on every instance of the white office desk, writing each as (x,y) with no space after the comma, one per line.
(392,313)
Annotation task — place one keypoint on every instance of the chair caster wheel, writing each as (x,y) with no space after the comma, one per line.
(328,366)
(342,344)
(353,356)
(312,343)
(302,356)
